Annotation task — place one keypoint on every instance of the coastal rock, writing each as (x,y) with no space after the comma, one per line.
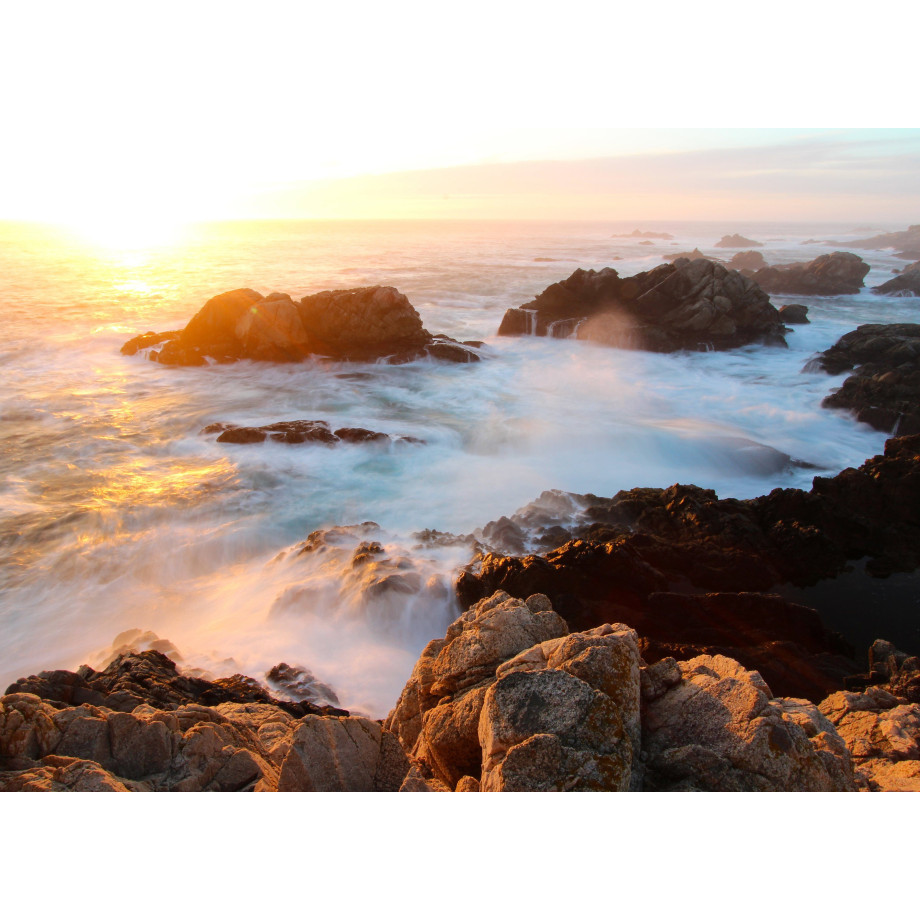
(736,241)
(437,716)
(794,313)
(834,273)
(882,734)
(302,431)
(362,324)
(749,259)
(906,284)
(718,729)
(237,744)
(642,234)
(691,573)
(900,239)
(686,304)
(885,390)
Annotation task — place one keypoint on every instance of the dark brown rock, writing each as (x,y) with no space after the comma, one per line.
(302,431)
(885,390)
(363,324)
(906,284)
(793,313)
(749,259)
(835,273)
(693,305)
(691,572)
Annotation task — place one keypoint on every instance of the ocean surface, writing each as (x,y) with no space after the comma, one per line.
(118,514)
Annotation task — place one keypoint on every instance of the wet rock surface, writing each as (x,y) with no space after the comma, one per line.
(302,431)
(362,324)
(694,574)
(884,392)
(834,273)
(905,284)
(696,305)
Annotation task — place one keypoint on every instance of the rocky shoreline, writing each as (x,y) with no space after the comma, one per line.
(644,654)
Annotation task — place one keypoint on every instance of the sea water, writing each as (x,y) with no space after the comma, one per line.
(117,513)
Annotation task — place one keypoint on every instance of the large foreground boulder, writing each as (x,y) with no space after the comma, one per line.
(885,390)
(835,273)
(363,324)
(696,305)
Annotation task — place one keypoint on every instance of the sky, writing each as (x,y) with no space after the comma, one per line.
(198,110)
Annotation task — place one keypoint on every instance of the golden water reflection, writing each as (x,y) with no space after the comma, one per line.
(143,484)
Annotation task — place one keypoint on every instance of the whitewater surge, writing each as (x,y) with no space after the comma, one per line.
(118,513)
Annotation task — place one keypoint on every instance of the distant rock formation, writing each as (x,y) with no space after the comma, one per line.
(301,431)
(736,241)
(643,234)
(885,390)
(900,239)
(835,273)
(749,259)
(363,324)
(696,305)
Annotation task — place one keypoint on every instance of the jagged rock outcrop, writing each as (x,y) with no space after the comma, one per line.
(736,241)
(692,573)
(710,725)
(141,732)
(834,273)
(302,431)
(694,305)
(905,284)
(882,730)
(885,390)
(363,324)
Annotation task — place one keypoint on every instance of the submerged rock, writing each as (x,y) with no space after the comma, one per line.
(696,305)
(884,392)
(362,324)
(835,273)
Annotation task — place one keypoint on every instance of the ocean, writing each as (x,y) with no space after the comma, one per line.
(118,514)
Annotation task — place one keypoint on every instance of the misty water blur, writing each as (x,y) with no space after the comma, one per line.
(117,513)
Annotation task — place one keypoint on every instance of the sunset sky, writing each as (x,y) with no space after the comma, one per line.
(118,111)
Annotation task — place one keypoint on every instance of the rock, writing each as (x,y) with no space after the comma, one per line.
(882,734)
(642,234)
(718,729)
(692,573)
(793,313)
(363,324)
(900,239)
(234,745)
(693,254)
(835,273)
(906,284)
(300,684)
(749,259)
(302,431)
(681,305)
(736,241)
(885,390)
